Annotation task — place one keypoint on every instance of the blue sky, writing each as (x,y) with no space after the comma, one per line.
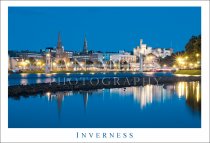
(106,28)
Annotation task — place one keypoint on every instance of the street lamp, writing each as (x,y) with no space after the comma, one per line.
(39,64)
(191,65)
(23,64)
(48,55)
(54,65)
(48,62)
(68,64)
(28,62)
(180,60)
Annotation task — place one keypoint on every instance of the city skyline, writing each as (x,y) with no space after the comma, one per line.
(106,28)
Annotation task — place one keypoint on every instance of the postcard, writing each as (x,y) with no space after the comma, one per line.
(104,71)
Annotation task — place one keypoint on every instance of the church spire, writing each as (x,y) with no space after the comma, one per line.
(85,48)
(59,44)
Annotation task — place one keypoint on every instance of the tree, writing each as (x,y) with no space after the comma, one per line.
(98,64)
(110,64)
(168,60)
(32,60)
(193,48)
(61,63)
(124,64)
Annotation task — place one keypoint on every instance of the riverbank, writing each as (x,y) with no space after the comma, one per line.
(72,72)
(94,83)
(188,72)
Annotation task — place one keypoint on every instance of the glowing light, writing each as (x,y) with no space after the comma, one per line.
(197,55)
(186,57)
(38,63)
(150,57)
(179,59)
(48,74)
(195,65)
(48,95)
(68,64)
(186,94)
(27,61)
(24,63)
(181,86)
(24,75)
(48,55)
(197,92)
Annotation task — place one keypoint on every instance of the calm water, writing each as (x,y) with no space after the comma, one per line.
(151,106)
(17,79)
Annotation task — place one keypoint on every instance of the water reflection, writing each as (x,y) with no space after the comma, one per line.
(25,78)
(192,93)
(59,97)
(143,95)
(147,94)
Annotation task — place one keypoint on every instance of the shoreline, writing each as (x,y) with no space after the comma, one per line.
(94,83)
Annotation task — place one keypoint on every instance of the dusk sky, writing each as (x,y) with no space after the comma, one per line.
(106,28)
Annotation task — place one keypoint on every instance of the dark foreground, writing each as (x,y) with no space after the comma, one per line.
(93,83)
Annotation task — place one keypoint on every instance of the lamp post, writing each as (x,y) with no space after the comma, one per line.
(68,64)
(48,63)
(197,60)
(28,62)
(24,64)
(38,64)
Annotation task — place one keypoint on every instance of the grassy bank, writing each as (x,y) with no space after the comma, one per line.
(189,72)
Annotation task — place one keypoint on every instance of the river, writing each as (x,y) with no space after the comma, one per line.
(151,106)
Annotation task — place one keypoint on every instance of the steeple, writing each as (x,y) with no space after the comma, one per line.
(59,44)
(141,42)
(85,48)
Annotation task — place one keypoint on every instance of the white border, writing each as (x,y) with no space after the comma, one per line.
(141,134)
